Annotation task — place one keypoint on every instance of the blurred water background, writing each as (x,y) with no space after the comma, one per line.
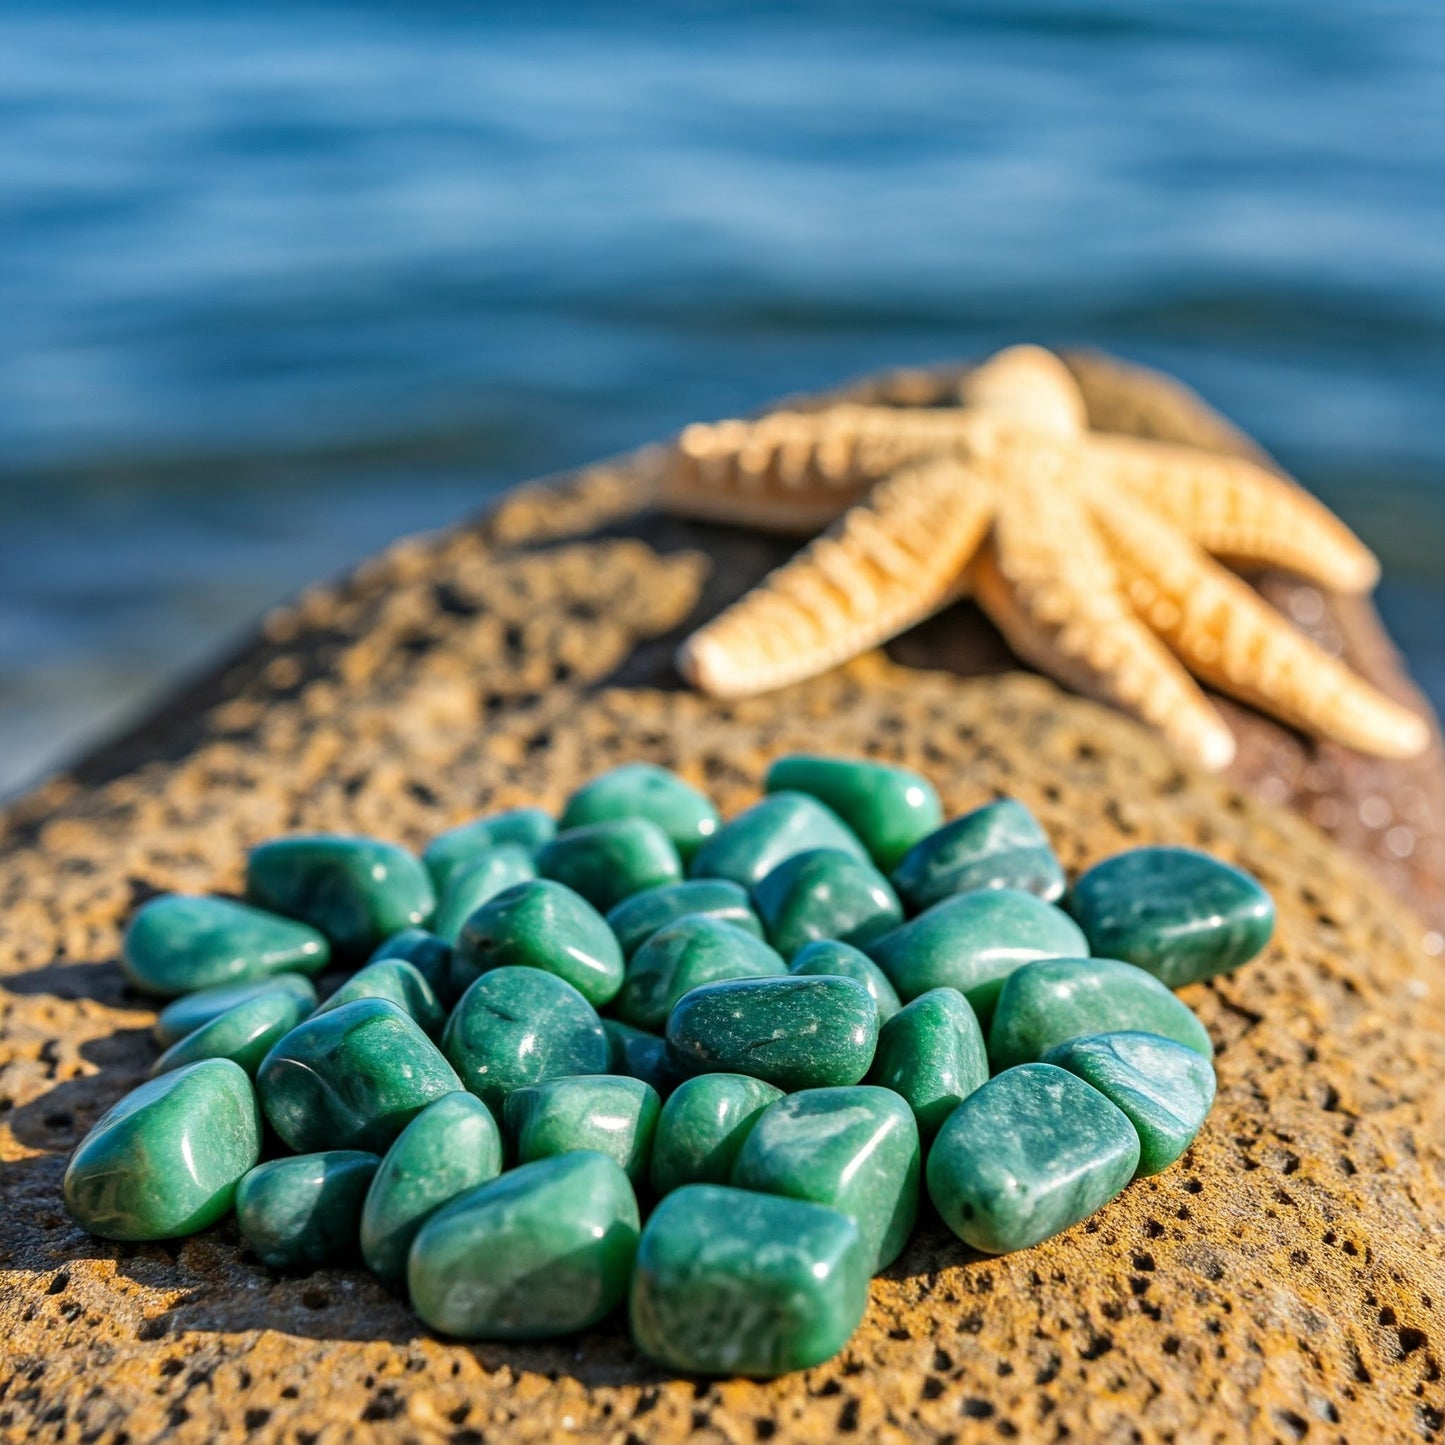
(280,282)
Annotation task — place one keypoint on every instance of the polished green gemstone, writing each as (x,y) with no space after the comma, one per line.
(795,1032)
(304,1212)
(397,980)
(729,1282)
(528,828)
(244,1033)
(829,956)
(888,808)
(191,1011)
(636,919)
(1000,845)
(643,790)
(825,893)
(640,1055)
(429,955)
(855,1150)
(520,1026)
(179,943)
(166,1159)
(545,1250)
(1164,1088)
(452,1146)
(702,1127)
(614,1115)
(353,1078)
(1057,999)
(1179,913)
(932,1053)
(607,862)
(1027,1155)
(357,891)
(543,925)
(747,848)
(692,951)
(475,882)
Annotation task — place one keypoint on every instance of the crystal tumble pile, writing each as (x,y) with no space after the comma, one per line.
(639,1055)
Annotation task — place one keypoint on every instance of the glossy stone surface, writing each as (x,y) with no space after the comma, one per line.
(452,1146)
(1176,912)
(397,980)
(244,1033)
(353,1078)
(429,955)
(702,1127)
(1056,999)
(830,956)
(357,891)
(797,1033)
(1165,1089)
(1000,845)
(181,942)
(304,1212)
(636,919)
(528,828)
(676,959)
(474,882)
(520,1026)
(644,790)
(729,1282)
(193,1010)
(610,1113)
(931,1052)
(542,925)
(888,808)
(855,1150)
(640,1055)
(607,862)
(165,1160)
(748,847)
(1027,1155)
(825,893)
(545,1250)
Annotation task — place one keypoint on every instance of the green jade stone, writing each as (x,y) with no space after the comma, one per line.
(429,955)
(475,882)
(1057,999)
(165,1160)
(644,790)
(353,1078)
(636,919)
(855,1150)
(640,1055)
(452,1146)
(520,1026)
(244,1034)
(795,1032)
(1000,845)
(357,891)
(829,956)
(932,1053)
(179,943)
(528,828)
(825,893)
(397,980)
(607,862)
(304,1212)
(729,1282)
(702,1127)
(888,808)
(748,847)
(614,1115)
(1032,1152)
(1175,912)
(193,1010)
(545,1250)
(1165,1089)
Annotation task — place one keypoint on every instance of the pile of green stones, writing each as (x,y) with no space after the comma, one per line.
(768,1036)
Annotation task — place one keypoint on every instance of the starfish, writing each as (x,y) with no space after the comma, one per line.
(1093,553)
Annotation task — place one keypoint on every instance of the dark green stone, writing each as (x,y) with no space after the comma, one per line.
(932,1053)
(165,1160)
(304,1212)
(1032,1152)
(1177,912)
(702,1127)
(429,955)
(192,1010)
(545,1250)
(644,790)
(475,882)
(747,848)
(528,828)
(397,980)
(244,1034)
(607,862)
(612,1114)
(729,1282)
(640,1055)
(636,919)
(825,893)
(829,956)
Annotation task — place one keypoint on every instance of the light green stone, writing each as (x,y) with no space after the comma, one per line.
(528,828)
(829,956)
(825,893)
(192,1010)
(397,980)
(612,1114)
(607,862)
(304,1212)
(932,1053)
(429,955)
(640,1055)
(636,919)
(702,1127)
(472,884)
(748,847)
(244,1034)
(644,790)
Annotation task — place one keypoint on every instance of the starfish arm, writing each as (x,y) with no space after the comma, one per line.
(887,563)
(1030,386)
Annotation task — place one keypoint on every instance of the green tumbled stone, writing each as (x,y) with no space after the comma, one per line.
(1032,1152)
(932,1053)
(636,919)
(357,891)
(429,955)
(520,1026)
(855,1150)
(1000,845)
(1176,912)
(612,1114)
(640,1055)
(528,828)
(179,943)
(644,790)
(676,959)
(829,956)
(166,1159)
(734,1283)
(397,980)
(825,893)
(450,1147)
(545,1250)
(702,1127)
(244,1034)
(304,1212)
(973,942)
(888,808)
(543,925)
(795,1032)
(472,884)
(1057,999)
(1165,1089)
(193,1010)
(607,862)
(353,1078)
(747,848)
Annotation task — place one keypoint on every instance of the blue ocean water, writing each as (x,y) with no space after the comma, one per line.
(279,282)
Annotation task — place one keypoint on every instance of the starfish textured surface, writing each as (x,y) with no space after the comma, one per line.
(1098,556)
